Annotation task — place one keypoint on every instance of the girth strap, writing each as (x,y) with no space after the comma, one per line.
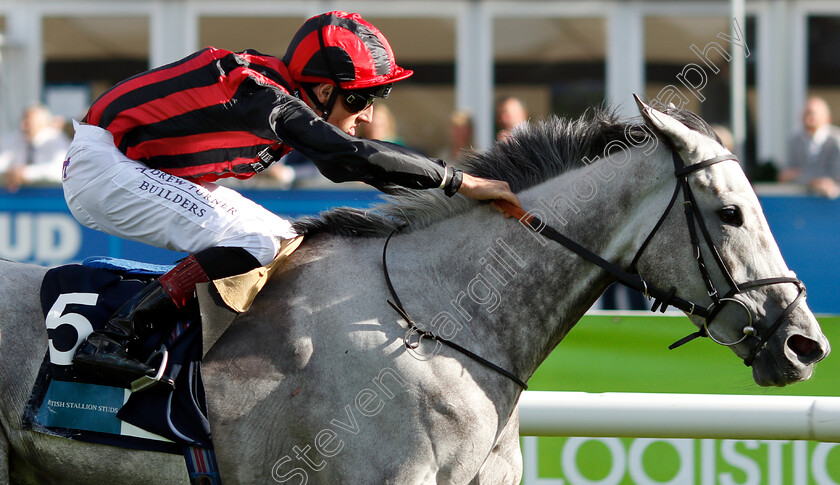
(201,466)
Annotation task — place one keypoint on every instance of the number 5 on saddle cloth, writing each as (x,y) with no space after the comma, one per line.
(78,299)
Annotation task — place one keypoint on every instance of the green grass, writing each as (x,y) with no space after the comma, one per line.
(605,353)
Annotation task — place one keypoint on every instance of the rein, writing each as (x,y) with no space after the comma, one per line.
(661,298)
(414,329)
(664,298)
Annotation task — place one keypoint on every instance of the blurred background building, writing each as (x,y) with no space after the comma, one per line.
(558,56)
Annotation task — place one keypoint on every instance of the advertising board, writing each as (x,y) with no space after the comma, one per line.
(611,352)
(606,353)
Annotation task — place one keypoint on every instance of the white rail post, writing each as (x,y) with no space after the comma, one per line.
(715,416)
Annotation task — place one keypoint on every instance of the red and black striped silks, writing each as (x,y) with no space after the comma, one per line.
(204,116)
(218,114)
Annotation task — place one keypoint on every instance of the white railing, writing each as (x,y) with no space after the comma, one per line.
(715,416)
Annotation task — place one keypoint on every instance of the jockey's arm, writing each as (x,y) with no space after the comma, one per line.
(341,157)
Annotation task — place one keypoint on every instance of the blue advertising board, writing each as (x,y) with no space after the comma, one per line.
(807,230)
(36,226)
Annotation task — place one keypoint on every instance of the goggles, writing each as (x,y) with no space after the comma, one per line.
(360,99)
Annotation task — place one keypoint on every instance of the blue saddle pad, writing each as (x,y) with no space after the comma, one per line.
(78,299)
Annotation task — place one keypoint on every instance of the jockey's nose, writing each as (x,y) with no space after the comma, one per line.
(366,115)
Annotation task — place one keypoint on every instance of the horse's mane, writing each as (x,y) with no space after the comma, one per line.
(533,153)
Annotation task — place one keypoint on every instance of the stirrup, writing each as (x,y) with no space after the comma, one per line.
(147,381)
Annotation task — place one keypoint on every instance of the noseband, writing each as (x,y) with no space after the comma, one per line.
(661,298)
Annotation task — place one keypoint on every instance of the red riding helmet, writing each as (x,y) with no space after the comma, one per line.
(342,49)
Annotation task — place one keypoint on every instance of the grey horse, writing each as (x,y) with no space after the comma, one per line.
(322,381)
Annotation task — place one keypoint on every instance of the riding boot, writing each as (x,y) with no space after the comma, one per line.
(105,352)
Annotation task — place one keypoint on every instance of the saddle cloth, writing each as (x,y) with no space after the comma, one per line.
(78,299)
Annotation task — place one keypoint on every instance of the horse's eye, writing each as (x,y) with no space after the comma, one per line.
(731,215)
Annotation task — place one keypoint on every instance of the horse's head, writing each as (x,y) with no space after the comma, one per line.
(729,264)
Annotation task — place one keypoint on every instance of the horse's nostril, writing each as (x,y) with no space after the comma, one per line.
(807,350)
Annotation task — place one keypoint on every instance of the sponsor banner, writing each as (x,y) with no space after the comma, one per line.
(614,352)
(652,461)
(37,227)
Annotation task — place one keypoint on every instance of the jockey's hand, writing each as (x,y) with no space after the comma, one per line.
(487,189)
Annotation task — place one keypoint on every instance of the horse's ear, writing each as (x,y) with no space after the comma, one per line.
(664,125)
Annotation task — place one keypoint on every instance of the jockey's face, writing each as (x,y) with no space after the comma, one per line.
(340,116)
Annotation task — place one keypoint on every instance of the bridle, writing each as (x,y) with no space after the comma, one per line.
(694,218)
(661,298)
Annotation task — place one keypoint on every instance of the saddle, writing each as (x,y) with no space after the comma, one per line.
(78,299)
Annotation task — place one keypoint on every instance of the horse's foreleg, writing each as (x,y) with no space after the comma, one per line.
(504,463)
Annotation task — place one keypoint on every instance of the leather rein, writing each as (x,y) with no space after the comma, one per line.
(661,298)
(421,334)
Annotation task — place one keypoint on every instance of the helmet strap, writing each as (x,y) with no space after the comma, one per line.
(334,96)
(325,108)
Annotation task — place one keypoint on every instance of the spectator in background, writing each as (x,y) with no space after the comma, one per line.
(460,136)
(725,136)
(281,174)
(814,155)
(35,153)
(510,111)
(619,297)
(382,126)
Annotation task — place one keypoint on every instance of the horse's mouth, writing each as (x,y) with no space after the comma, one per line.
(767,375)
(767,371)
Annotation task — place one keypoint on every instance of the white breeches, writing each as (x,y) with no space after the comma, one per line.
(109,192)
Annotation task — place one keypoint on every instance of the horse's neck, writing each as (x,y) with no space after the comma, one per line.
(506,292)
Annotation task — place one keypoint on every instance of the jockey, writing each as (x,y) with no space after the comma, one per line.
(143,161)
